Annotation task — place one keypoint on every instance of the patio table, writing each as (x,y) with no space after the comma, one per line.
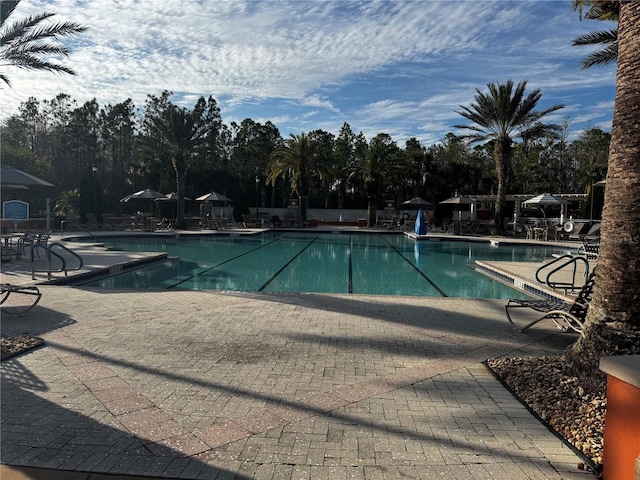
(9,249)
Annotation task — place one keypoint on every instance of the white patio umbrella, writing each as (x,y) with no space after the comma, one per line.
(458,203)
(545,199)
(215,197)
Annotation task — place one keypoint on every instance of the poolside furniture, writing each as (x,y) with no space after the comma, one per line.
(567,316)
(573,230)
(9,246)
(29,242)
(590,250)
(545,232)
(31,299)
(592,234)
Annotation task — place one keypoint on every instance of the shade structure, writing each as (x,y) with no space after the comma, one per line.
(417,201)
(458,201)
(421,226)
(146,194)
(170,197)
(11,177)
(545,199)
(213,197)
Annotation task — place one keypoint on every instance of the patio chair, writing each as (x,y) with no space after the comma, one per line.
(571,230)
(592,235)
(24,243)
(24,303)
(92,222)
(567,316)
(546,233)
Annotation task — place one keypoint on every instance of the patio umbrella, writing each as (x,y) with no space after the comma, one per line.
(458,201)
(421,226)
(421,202)
(145,194)
(170,197)
(459,204)
(13,178)
(545,199)
(213,197)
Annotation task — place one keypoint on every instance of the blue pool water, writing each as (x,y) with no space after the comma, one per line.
(323,262)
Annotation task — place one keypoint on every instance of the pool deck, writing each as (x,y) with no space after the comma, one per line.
(223,385)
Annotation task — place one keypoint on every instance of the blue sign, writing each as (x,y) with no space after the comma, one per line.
(15,210)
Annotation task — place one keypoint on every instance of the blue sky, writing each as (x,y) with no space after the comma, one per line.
(399,67)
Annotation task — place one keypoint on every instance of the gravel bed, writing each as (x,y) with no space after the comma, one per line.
(559,400)
(13,345)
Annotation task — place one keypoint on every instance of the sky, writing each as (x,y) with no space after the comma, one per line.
(399,67)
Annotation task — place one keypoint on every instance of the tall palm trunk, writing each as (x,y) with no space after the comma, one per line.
(502,154)
(179,165)
(372,210)
(613,321)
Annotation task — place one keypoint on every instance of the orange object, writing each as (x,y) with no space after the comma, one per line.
(622,421)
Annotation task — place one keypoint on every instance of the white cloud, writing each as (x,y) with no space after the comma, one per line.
(402,66)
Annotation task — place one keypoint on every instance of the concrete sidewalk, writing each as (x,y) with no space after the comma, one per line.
(222,385)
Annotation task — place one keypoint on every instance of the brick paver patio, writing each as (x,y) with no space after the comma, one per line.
(222,385)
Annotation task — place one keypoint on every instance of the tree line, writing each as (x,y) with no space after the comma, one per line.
(192,151)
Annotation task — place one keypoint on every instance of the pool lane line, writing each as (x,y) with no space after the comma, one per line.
(439,290)
(226,261)
(273,277)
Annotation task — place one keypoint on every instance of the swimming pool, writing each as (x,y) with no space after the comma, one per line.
(319,262)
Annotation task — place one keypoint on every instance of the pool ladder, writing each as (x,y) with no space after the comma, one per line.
(559,264)
(51,254)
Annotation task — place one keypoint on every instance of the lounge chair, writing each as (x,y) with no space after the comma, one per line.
(593,235)
(572,230)
(567,316)
(92,222)
(23,304)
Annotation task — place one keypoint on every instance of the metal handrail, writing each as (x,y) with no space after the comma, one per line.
(50,253)
(569,260)
(68,250)
(77,226)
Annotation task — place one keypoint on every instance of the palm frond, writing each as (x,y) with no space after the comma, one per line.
(602,57)
(28,43)
(596,38)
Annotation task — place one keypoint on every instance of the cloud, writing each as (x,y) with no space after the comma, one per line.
(401,66)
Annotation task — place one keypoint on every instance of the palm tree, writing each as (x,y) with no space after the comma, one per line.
(375,162)
(499,116)
(297,159)
(28,43)
(599,10)
(179,133)
(613,319)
